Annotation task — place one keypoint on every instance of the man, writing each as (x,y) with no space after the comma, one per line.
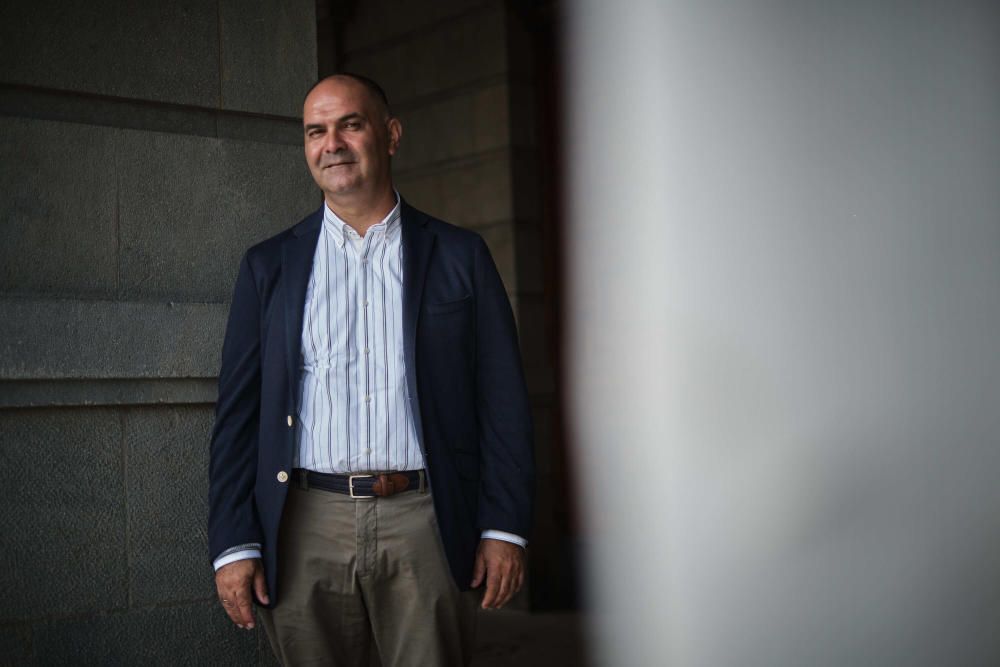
(371,458)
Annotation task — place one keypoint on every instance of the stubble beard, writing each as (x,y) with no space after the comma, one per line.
(340,183)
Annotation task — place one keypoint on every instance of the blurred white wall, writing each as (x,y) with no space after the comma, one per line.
(784,231)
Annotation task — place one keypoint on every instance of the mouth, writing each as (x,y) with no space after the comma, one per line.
(336,164)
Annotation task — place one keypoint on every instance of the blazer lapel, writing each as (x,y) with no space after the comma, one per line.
(418,242)
(296,265)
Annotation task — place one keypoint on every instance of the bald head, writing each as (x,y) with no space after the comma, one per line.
(374,91)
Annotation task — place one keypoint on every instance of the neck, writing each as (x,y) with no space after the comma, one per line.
(360,211)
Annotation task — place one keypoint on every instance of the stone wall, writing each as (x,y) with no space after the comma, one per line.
(144,147)
(461,77)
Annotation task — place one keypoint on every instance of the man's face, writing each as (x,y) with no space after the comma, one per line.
(348,138)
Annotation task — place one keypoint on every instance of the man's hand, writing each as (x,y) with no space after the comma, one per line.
(233,582)
(502,565)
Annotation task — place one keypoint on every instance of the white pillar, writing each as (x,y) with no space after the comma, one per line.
(784,232)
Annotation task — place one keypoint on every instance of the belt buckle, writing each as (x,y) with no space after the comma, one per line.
(350,487)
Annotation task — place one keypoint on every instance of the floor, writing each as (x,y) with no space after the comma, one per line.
(525,639)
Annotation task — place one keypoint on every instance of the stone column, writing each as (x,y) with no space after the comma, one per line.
(145,146)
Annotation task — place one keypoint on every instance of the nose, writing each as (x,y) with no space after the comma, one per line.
(333,141)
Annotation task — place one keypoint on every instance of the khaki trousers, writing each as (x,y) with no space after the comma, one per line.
(357,573)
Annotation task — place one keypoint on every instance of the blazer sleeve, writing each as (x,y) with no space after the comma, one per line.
(504,416)
(232,516)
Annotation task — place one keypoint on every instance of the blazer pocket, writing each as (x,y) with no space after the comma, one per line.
(449,306)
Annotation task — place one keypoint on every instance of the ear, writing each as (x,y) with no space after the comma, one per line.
(395,134)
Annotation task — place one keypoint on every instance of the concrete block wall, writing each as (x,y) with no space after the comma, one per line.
(144,147)
(460,77)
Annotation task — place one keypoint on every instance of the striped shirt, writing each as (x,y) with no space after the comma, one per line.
(354,415)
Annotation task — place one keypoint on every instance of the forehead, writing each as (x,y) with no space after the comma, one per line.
(338,97)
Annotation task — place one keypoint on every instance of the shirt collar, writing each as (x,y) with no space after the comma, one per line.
(341,230)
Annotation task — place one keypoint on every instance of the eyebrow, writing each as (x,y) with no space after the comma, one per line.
(354,115)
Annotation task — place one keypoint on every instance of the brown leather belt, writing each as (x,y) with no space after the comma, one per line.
(368,485)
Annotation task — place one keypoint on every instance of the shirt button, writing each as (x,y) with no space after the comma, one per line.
(368,398)
(282,476)
(290,420)
(368,450)
(366,303)
(366,350)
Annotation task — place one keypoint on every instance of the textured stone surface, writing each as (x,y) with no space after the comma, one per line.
(474,122)
(104,339)
(268,54)
(57,202)
(62,532)
(543,414)
(530,176)
(165,51)
(378,21)
(451,54)
(198,633)
(167,499)
(128,196)
(190,207)
(267,189)
(523,112)
(500,240)
(532,314)
(116,391)
(267,130)
(529,257)
(15,645)
(140,115)
(469,194)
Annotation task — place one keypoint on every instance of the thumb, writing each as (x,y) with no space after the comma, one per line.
(260,584)
(479,569)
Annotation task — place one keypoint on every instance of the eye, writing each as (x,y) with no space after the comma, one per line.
(352,125)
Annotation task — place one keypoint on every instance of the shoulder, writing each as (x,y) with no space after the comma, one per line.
(267,253)
(447,235)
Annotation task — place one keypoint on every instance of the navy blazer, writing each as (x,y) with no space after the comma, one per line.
(463,372)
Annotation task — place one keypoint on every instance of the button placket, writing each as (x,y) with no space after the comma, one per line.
(365,283)
(352,429)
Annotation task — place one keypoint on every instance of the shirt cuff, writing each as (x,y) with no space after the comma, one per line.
(245,554)
(505,537)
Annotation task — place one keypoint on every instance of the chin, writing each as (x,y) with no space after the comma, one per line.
(341,187)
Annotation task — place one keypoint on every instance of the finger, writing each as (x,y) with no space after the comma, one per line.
(506,588)
(245,607)
(492,588)
(517,574)
(260,585)
(478,569)
(227,599)
(230,607)
(513,580)
(517,582)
